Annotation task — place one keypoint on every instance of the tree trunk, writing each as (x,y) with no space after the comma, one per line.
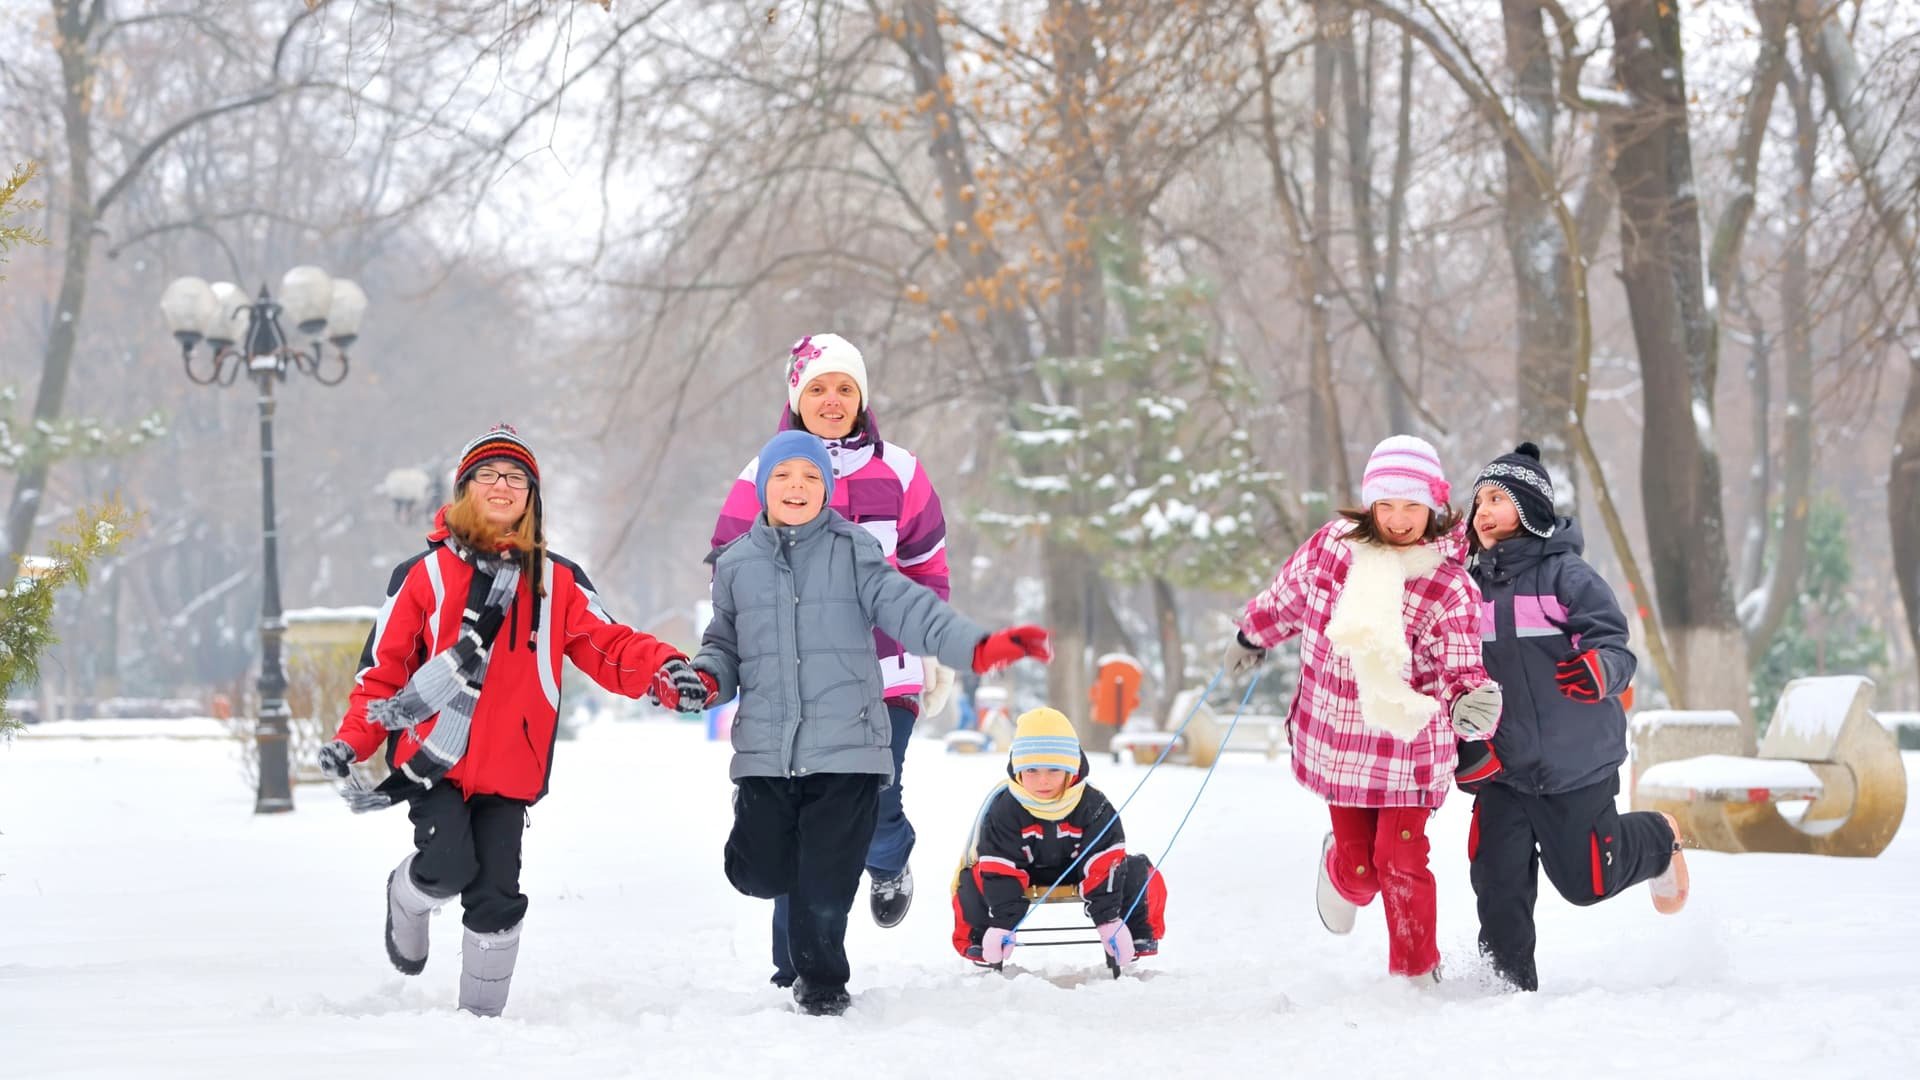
(1824,42)
(1903,503)
(1173,653)
(1357,104)
(1547,357)
(76,76)
(1661,269)
(1754,544)
(1767,606)
(1327,456)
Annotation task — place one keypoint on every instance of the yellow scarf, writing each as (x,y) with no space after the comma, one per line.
(1049,809)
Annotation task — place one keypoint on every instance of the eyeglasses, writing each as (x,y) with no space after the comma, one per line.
(489,477)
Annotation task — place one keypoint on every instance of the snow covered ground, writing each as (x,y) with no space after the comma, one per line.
(151,926)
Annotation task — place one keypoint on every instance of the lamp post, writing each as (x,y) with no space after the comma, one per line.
(243,334)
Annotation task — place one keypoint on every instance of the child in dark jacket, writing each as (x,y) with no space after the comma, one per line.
(796,601)
(1556,641)
(1031,831)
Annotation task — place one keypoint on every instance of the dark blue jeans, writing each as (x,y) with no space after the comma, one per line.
(892,835)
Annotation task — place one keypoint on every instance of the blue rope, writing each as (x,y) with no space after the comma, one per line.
(1090,846)
(1235,722)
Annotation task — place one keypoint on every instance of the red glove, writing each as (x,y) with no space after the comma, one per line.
(1003,647)
(1581,677)
(681,687)
(1477,765)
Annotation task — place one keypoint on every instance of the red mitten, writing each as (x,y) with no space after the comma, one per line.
(1003,647)
(681,687)
(1581,678)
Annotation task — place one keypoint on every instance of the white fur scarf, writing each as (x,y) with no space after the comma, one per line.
(1369,628)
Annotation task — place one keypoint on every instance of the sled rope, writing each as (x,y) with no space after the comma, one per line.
(1093,844)
(1168,850)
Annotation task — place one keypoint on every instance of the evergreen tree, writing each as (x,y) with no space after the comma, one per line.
(1823,632)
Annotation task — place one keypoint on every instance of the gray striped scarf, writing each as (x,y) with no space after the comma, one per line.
(449,682)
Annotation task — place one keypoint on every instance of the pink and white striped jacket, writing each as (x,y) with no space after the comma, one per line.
(1335,754)
(881,487)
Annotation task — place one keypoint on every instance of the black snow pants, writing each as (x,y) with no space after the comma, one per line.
(1591,852)
(470,847)
(805,838)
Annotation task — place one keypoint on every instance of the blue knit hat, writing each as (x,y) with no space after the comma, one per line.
(785,447)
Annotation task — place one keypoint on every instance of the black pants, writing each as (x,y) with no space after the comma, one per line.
(1148,919)
(470,847)
(1591,852)
(805,838)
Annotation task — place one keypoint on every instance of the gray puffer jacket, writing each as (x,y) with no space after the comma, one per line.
(794,610)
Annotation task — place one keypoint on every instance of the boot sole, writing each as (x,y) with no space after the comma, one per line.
(1352,911)
(1671,903)
(404,965)
(885,924)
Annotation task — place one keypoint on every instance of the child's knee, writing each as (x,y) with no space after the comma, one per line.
(1401,848)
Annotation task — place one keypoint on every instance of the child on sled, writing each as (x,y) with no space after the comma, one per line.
(1045,826)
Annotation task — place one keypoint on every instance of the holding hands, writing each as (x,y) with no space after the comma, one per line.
(1477,712)
(679,686)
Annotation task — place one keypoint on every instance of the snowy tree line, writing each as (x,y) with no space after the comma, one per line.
(1141,281)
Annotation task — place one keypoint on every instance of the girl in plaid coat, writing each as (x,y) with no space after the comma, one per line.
(1390,673)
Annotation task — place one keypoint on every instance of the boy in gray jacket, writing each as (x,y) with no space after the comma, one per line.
(796,601)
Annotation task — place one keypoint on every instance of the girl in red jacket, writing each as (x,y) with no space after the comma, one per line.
(461,680)
(1390,672)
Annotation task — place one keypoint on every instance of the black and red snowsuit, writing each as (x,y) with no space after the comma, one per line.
(1012,849)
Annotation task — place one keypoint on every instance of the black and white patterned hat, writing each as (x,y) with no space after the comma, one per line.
(1525,481)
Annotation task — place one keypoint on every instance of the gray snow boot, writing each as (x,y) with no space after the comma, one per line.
(486,970)
(408,910)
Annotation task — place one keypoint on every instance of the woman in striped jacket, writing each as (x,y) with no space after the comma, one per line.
(1390,672)
(881,487)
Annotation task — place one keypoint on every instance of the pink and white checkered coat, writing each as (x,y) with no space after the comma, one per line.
(1336,754)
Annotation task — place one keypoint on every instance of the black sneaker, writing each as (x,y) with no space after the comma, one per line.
(1145,946)
(820,1000)
(891,897)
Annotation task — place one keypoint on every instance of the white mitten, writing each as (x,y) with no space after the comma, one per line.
(936,687)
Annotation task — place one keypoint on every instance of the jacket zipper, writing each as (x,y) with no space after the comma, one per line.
(793,614)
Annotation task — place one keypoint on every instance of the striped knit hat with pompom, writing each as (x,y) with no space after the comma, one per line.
(500,443)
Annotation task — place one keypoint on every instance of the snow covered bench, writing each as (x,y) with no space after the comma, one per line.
(1201,744)
(1824,749)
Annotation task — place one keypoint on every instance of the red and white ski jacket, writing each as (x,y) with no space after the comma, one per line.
(510,750)
(1336,754)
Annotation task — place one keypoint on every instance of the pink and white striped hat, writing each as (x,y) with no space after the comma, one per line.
(1405,467)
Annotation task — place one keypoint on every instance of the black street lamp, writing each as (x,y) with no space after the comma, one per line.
(247,334)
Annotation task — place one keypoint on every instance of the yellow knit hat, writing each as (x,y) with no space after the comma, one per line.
(1043,738)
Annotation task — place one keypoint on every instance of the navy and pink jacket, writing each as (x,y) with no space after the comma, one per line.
(1540,604)
(880,487)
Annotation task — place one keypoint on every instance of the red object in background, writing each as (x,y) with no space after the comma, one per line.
(222,707)
(1116,689)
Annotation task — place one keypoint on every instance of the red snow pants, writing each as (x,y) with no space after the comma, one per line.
(1382,851)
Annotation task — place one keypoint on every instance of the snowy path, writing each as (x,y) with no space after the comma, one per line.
(151,926)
